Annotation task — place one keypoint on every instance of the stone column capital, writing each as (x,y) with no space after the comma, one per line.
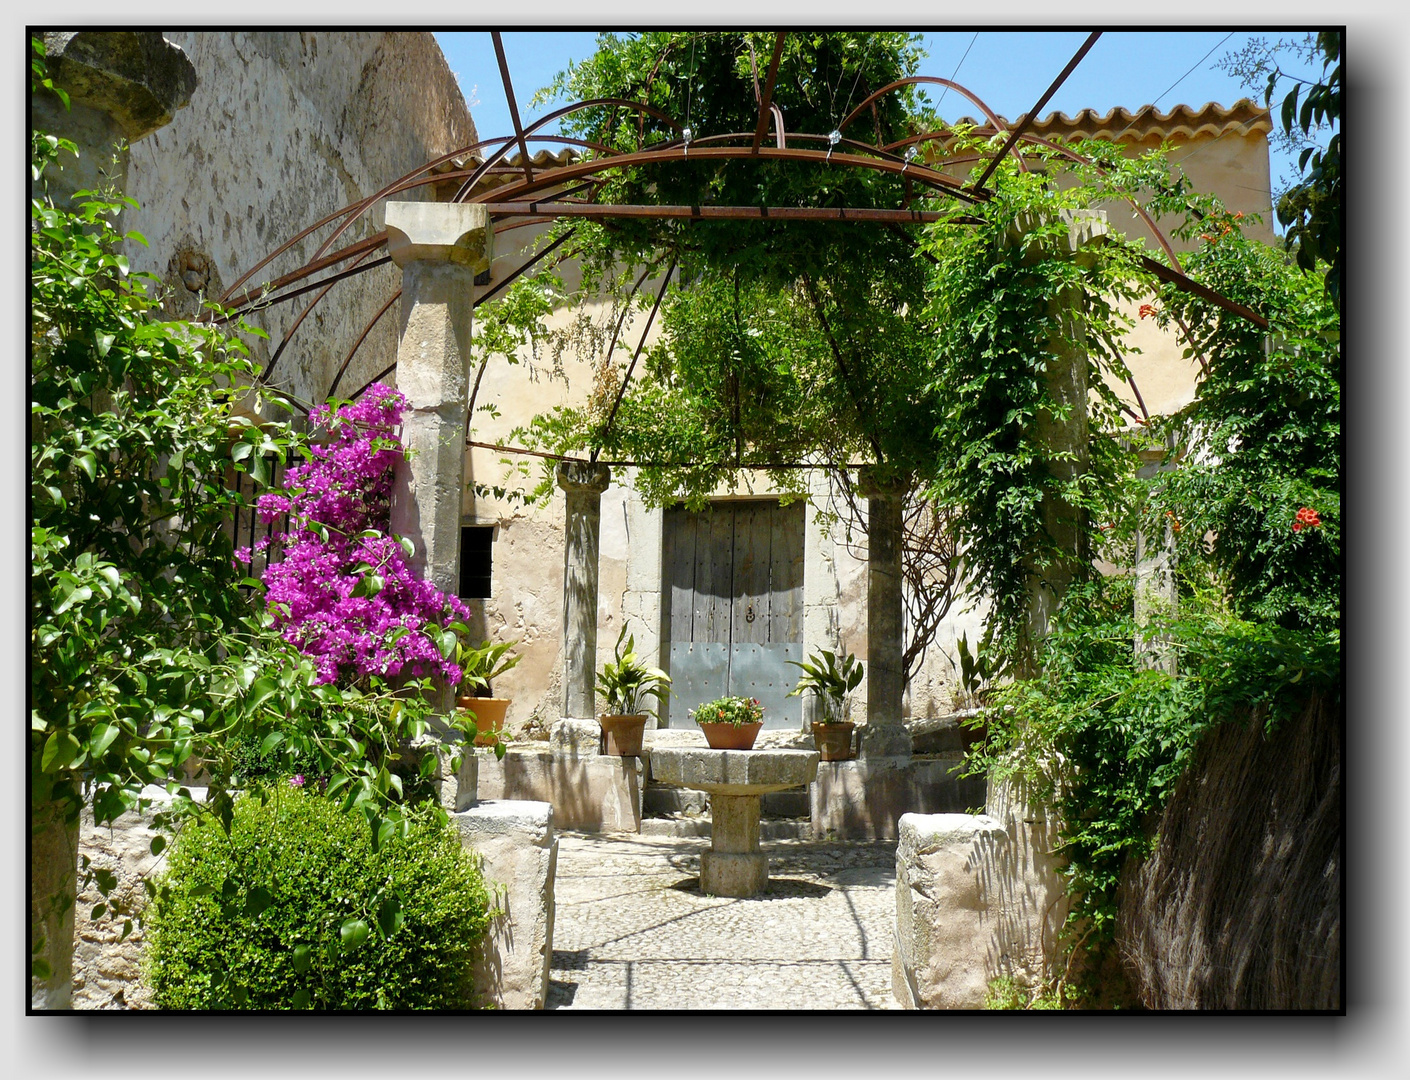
(880,481)
(1085,230)
(583,476)
(137,77)
(458,233)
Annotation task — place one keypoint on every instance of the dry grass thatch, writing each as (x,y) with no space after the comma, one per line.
(1239,906)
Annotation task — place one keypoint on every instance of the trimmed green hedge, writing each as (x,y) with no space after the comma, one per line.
(263,918)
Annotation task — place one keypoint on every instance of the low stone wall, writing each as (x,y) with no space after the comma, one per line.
(106,966)
(591,793)
(864,799)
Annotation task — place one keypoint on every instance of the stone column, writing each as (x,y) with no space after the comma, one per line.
(440,247)
(1155,578)
(122,86)
(1064,436)
(885,733)
(583,484)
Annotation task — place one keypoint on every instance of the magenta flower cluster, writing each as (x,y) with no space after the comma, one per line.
(343,592)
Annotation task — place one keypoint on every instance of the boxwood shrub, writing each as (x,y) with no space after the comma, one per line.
(256,919)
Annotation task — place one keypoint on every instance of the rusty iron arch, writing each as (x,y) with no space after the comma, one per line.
(513,203)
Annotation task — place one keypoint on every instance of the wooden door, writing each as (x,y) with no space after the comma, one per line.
(733,599)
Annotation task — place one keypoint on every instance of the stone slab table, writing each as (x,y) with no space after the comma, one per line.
(735,780)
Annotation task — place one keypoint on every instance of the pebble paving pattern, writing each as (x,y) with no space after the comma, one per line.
(632,929)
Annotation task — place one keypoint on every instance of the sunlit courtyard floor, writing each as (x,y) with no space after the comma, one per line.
(633,931)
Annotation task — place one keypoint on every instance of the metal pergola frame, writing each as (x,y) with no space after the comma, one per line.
(572,185)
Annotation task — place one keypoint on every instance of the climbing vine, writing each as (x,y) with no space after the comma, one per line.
(1009,303)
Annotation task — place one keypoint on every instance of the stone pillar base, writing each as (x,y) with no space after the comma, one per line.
(733,873)
(594,793)
(575,738)
(863,800)
(885,741)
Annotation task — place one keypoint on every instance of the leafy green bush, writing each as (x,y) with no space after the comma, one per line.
(319,919)
(1105,739)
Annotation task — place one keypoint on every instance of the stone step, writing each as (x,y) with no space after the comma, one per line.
(699,825)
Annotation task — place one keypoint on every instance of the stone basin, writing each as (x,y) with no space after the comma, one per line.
(734,779)
(734,772)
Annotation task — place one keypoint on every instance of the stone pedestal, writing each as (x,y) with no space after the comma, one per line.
(518,849)
(735,780)
(122,86)
(734,866)
(885,732)
(950,885)
(583,485)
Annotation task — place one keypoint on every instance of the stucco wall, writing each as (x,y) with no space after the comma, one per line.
(284,128)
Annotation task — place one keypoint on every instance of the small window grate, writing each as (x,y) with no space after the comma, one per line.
(476,561)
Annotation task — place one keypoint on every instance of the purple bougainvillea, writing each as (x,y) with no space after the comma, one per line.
(343,592)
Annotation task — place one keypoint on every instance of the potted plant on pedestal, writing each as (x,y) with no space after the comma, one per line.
(478,666)
(624,684)
(830,681)
(730,723)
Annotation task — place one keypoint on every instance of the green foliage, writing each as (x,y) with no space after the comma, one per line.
(1311,210)
(706,80)
(1262,440)
(830,679)
(479,665)
(781,341)
(1002,297)
(978,669)
(296,909)
(144,656)
(1104,739)
(1003,994)
(626,680)
(729,710)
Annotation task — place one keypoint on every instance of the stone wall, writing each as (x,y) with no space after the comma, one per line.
(106,964)
(284,128)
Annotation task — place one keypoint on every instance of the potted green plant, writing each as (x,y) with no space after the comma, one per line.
(478,667)
(624,683)
(830,681)
(730,723)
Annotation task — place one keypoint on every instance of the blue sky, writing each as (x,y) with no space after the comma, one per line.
(1008,69)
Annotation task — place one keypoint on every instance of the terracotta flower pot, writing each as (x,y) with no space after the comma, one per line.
(489,716)
(731,736)
(622,735)
(834,741)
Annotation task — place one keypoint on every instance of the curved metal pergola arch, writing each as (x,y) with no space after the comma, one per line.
(514,199)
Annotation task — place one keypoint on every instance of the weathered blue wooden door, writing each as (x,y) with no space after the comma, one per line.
(733,600)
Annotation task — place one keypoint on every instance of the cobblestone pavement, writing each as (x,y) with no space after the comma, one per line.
(632,929)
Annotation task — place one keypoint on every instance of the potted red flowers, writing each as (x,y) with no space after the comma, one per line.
(730,723)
